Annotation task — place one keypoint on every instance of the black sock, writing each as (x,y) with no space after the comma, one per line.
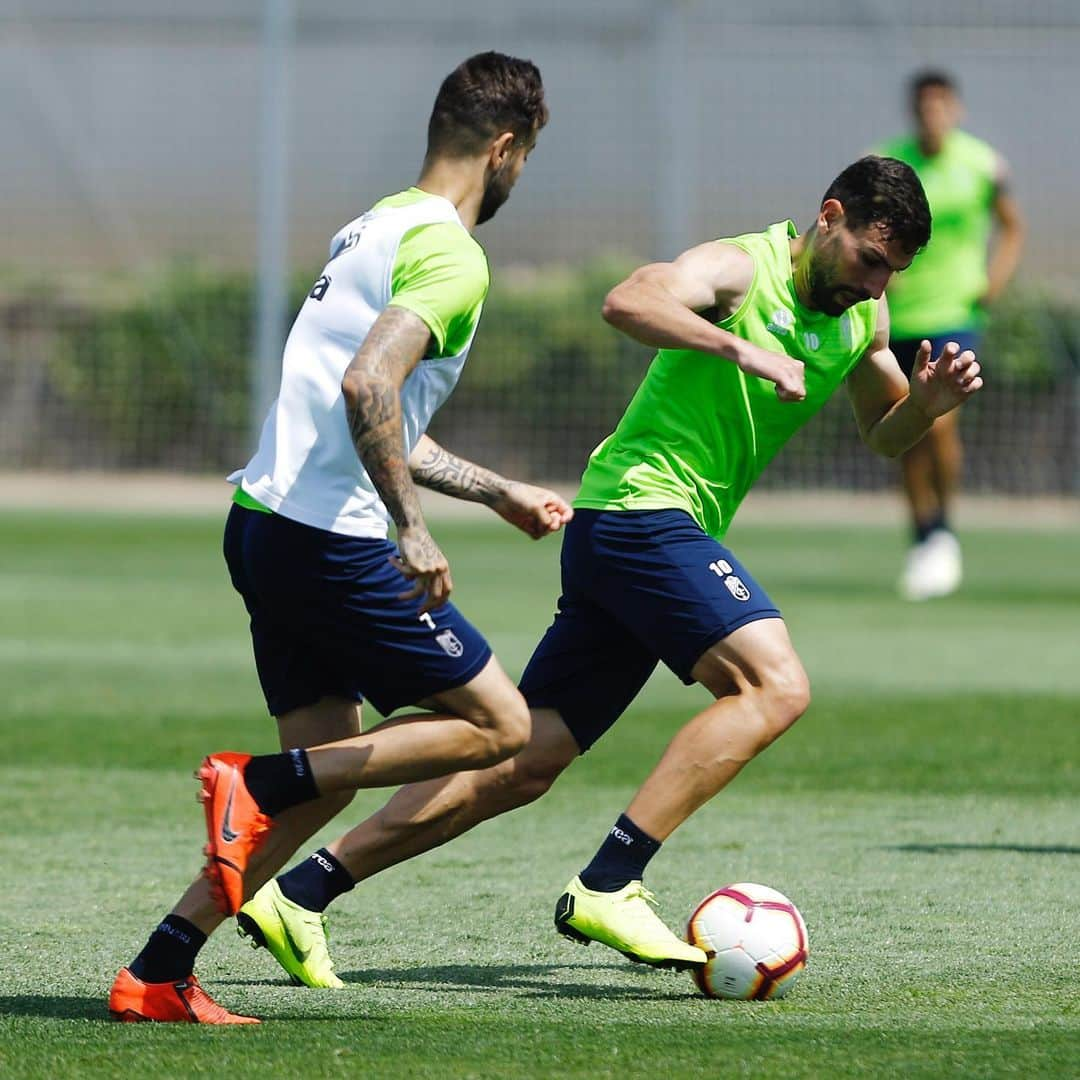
(622,858)
(316,882)
(278,781)
(170,952)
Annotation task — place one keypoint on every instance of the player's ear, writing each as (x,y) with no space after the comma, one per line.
(830,215)
(500,148)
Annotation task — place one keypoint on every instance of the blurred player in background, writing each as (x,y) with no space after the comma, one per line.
(754,335)
(337,612)
(942,298)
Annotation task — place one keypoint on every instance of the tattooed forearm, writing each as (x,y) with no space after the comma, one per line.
(372,390)
(442,471)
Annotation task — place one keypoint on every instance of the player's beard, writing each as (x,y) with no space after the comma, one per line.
(495,194)
(825,292)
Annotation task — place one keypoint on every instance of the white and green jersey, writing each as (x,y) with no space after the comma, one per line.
(410,250)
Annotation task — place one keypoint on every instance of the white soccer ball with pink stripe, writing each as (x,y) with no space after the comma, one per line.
(756,941)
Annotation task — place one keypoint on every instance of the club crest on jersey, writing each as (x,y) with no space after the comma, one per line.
(736,587)
(781,322)
(451,644)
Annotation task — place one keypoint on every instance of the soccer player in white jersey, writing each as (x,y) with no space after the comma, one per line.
(338,612)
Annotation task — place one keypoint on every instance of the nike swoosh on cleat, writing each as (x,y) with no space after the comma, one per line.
(227,833)
(179,989)
(300,954)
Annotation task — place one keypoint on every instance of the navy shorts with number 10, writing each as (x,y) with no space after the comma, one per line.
(639,587)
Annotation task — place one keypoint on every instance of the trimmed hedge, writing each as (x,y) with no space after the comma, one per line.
(161,377)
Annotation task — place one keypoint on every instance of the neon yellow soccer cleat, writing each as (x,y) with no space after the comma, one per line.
(625,921)
(295,936)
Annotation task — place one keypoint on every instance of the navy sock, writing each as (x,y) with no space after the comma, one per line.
(278,781)
(622,858)
(170,952)
(316,882)
(924,528)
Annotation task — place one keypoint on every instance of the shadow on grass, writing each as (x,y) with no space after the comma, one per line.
(528,980)
(951,849)
(54,1006)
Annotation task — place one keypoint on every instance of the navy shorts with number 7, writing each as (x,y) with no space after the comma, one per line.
(326,619)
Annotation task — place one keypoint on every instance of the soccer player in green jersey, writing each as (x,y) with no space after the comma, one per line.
(753,335)
(338,612)
(944,297)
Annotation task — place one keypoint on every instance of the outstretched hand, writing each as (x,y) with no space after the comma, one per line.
(535,511)
(939,386)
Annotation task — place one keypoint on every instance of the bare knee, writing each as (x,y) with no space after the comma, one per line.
(504,725)
(470,797)
(532,776)
(785,694)
(530,773)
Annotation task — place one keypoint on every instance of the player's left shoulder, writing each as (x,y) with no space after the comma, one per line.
(902,147)
(977,152)
(446,243)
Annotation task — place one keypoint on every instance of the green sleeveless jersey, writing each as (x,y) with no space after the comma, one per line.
(699,431)
(939,292)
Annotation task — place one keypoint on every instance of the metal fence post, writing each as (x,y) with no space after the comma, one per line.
(272,187)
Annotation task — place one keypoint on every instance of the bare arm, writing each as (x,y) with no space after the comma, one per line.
(436,468)
(892,415)
(676,305)
(1008,241)
(536,511)
(372,383)
(888,422)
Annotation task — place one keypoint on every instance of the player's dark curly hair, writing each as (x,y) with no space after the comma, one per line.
(884,191)
(486,95)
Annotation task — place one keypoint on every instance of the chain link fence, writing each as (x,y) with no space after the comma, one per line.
(126,293)
(162,383)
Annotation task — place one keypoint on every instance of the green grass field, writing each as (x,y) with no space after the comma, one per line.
(924,816)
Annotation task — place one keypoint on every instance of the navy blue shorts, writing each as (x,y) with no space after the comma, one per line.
(639,586)
(905,349)
(326,618)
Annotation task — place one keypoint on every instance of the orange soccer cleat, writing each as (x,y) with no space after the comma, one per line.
(235,826)
(182,1001)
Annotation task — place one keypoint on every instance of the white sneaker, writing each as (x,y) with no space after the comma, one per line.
(934,567)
